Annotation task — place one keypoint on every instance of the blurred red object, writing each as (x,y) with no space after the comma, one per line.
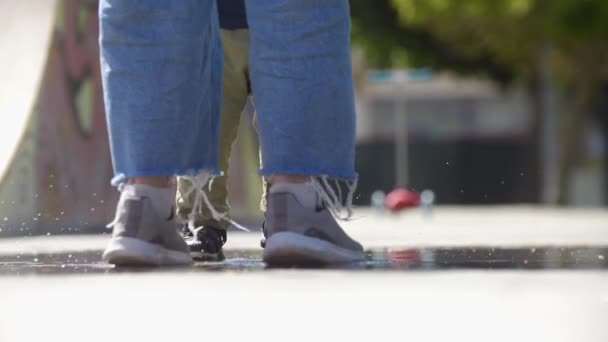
(400,199)
(411,257)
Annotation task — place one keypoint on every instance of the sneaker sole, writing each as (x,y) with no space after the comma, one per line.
(292,249)
(125,251)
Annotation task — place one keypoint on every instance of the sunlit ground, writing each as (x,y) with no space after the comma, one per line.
(458,274)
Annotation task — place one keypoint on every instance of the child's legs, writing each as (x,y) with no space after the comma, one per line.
(302,83)
(236,54)
(161,64)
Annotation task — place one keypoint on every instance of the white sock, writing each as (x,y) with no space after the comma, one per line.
(305,192)
(162,198)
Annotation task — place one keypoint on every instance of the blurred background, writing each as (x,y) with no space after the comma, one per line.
(483,102)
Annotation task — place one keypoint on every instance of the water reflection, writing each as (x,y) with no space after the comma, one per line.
(377,259)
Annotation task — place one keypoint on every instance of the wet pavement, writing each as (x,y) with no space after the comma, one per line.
(502,274)
(390,259)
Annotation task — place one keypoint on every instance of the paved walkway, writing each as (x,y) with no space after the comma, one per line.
(308,306)
(323,305)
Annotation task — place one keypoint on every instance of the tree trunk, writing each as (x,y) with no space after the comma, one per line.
(602,117)
(535,179)
(573,125)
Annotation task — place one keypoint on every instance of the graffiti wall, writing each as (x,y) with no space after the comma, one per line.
(72,161)
(59,180)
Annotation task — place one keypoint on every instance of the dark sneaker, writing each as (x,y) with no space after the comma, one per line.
(207,245)
(143,237)
(296,235)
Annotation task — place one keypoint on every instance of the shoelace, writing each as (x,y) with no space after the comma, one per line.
(327,195)
(200,199)
(334,201)
(184,231)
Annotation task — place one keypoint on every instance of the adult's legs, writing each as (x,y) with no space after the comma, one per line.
(302,83)
(162,72)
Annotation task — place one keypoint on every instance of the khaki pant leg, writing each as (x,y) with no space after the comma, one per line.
(236,55)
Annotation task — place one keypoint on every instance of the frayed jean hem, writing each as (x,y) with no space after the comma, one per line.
(120,178)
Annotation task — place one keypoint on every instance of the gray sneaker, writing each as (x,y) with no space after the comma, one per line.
(299,236)
(143,237)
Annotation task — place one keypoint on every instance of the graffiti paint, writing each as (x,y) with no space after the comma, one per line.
(58,182)
(73,162)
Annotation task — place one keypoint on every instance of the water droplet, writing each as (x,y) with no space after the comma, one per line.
(447,163)
(35,259)
(62,266)
(69,256)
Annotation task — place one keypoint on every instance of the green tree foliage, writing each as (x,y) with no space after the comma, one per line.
(514,31)
(390,41)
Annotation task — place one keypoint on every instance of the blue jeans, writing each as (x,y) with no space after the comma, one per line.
(162,72)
